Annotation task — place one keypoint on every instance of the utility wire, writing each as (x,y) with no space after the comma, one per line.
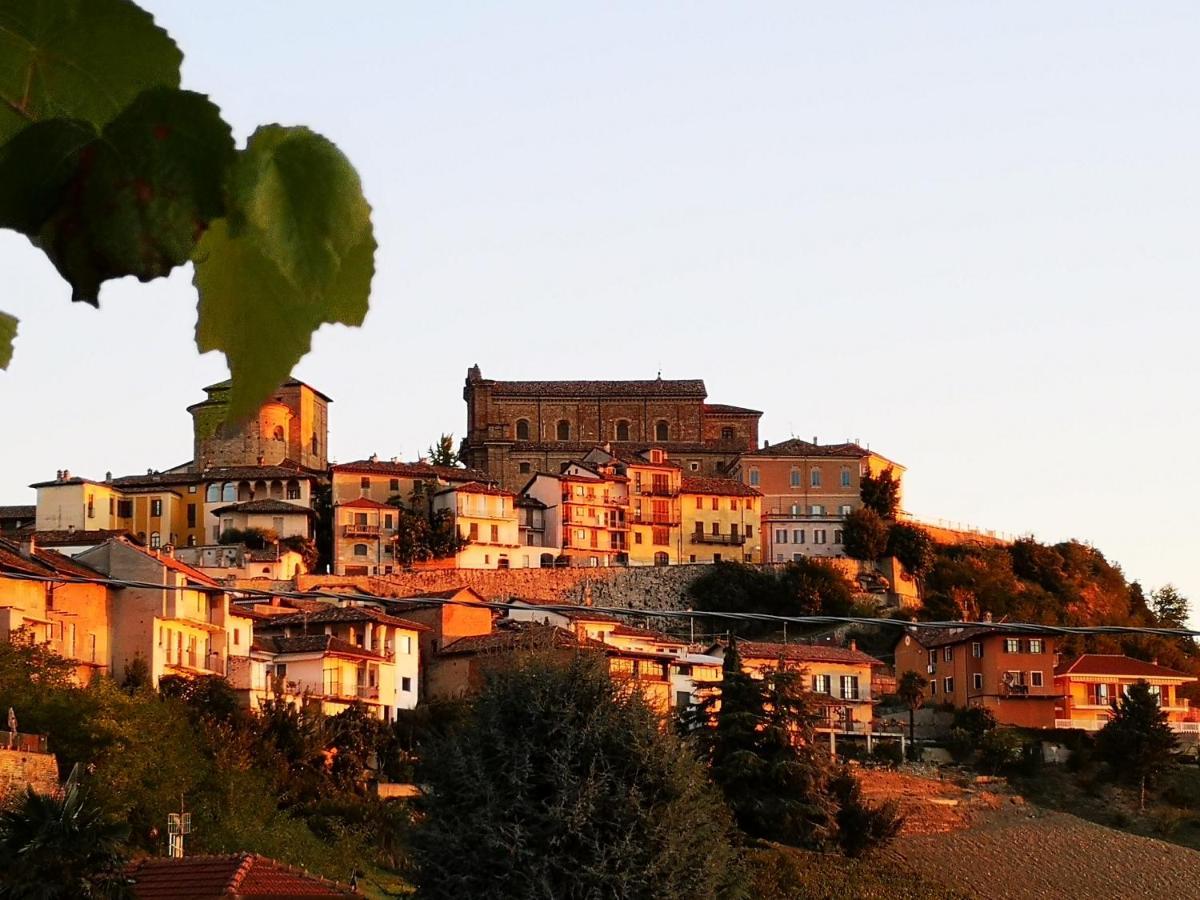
(575,609)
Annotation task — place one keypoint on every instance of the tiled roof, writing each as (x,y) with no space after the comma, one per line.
(331,614)
(365,503)
(311,643)
(804,653)
(18,512)
(236,875)
(474,487)
(1118,666)
(724,409)
(728,487)
(266,507)
(582,447)
(691,387)
(524,500)
(176,566)
(806,449)
(291,382)
(80,538)
(646,633)
(410,470)
(44,562)
(519,636)
(286,469)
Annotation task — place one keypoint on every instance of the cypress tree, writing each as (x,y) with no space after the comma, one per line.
(1137,743)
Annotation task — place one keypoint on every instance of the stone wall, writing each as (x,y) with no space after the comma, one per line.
(20,769)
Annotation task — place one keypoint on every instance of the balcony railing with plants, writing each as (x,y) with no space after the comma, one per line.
(730,540)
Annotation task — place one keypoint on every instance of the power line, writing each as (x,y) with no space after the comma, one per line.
(575,609)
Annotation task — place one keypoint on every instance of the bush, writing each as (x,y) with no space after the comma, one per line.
(999,748)
(864,534)
(961,744)
(974,720)
(862,826)
(888,753)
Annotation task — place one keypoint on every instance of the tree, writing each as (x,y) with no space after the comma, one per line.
(110,169)
(254,538)
(861,825)
(1169,606)
(443,453)
(912,546)
(881,493)
(557,784)
(910,688)
(52,847)
(1137,743)
(864,534)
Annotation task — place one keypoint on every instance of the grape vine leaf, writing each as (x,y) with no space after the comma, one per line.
(296,250)
(132,201)
(78,59)
(8,333)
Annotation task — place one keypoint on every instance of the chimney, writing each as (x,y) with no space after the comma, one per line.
(766,443)
(167,550)
(987,617)
(28,546)
(58,475)
(853,644)
(374,457)
(66,475)
(815,441)
(108,476)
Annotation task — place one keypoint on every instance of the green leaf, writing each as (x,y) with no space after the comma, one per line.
(132,202)
(78,59)
(8,333)
(296,250)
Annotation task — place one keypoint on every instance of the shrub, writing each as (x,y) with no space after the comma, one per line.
(975,720)
(862,826)
(864,534)
(999,748)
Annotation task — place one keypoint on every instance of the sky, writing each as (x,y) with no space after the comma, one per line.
(963,234)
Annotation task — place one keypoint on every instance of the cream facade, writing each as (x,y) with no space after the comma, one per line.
(722,520)
(653,483)
(486,518)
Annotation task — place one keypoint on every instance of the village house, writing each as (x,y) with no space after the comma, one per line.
(485,517)
(1090,684)
(652,486)
(722,520)
(842,678)
(807,490)
(586,515)
(70,618)
(17,519)
(1007,672)
(237,561)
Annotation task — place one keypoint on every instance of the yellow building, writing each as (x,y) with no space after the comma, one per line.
(655,520)
(721,520)
(1088,686)
(486,518)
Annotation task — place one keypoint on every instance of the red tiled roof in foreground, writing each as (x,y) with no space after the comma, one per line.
(236,875)
(804,653)
(1118,667)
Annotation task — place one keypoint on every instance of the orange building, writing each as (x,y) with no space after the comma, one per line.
(1007,672)
(586,514)
(655,517)
(1091,684)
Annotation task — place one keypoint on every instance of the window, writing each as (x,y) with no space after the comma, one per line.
(780,536)
(125,507)
(699,503)
(933,687)
(716,503)
(315,444)
(495,534)
(821,684)
(694,466)
(795,477)
(360,549)
(563,430)
(637,537)
(727,433)
(91,507)
(523,468)
(155,540)
(850,687)
(662,559)
(662,431)
(407,644)
(1035,645)
(277,524)
(797,557)
(948,684)
(948,654)
(661,538)
(394,484)
(754,477)
(845,476)
(622,430)
(814,478)
(977,649)
(474,532)
(229,492)
(364,482)
(837,535)
(749,532)
(388,521)
(1012,645)
(1035,679)
(816,510)
(733,504)
(932,659)
(405,683)
(716,527)
(522,429)
(112,502)
(212,493)
(237,637)
(819,536)
(844,509)
(977,681)
(798,536)
(1102,695)
(191,515)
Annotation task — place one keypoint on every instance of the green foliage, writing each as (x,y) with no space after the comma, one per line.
(1170,607)
(864,534)
(912,546)
(421,533)
(881,493)
(61,847)
(910,689)
(111,170)
(862,826)
(999,748)
(807,587)
(254,538)
(976,721)
(1137,743)
(443,452)
(557,785)
(306,547)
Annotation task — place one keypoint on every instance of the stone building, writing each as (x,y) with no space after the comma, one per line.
(291,426)
(517,428)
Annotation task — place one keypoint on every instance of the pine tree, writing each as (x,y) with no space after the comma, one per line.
(1170,607)
(1137,743)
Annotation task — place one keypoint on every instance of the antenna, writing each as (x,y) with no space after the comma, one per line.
(178,825)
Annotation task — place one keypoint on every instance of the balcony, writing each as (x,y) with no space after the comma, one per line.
(1097,724)
(657,490)
(356,530)
(729,540)
(368,692)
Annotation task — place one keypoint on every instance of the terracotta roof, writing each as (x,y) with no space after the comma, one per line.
(331,613)
(411,470)
(797,447)
(365,503)
(724,409)
(942,637)
(176,566)
(266,507)
(729,487)
(80,538)
(311,643)
(474,487)
(1118,666)
(236,875)
(804,653)
(657,387)
(18,512)
(519,636)
(44,562)
(647,633)
(227,384)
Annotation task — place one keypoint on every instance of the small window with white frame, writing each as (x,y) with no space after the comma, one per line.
(977,681)
(948,684)
(977,649)
(1035,679)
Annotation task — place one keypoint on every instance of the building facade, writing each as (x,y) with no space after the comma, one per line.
(1090,684)
(517,428)
(486,519)
(586,516)
(722,520)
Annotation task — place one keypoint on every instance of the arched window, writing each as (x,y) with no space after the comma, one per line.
(662,431)
(662,559)
(213,493)
(522,429)
(623,430)
(155,540)
(229,492)
(814,478)
(547,560)
(563,430)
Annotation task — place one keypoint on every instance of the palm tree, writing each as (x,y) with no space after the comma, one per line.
(911,690)
(54,846)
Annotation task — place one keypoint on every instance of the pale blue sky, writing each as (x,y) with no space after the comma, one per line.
(965,235)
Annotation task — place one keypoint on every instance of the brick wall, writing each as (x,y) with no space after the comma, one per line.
(19,770)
